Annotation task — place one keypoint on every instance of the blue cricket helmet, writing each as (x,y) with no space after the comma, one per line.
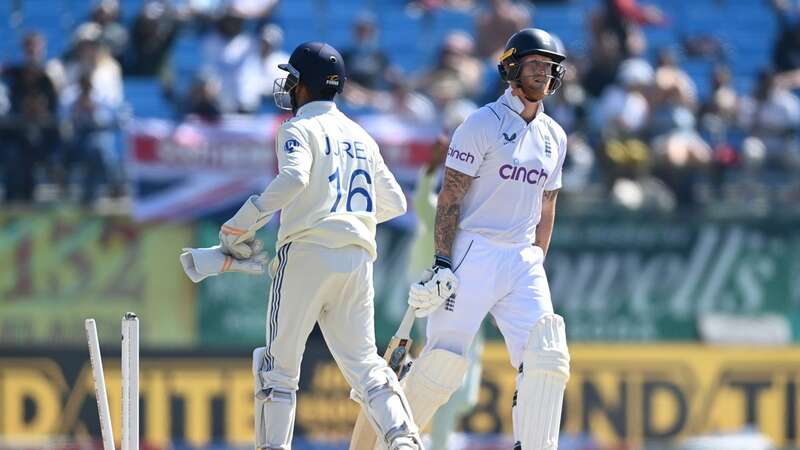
(318,66)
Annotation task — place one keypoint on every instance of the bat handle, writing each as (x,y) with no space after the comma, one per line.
(404,330)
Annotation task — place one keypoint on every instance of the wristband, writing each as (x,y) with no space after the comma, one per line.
(442,261)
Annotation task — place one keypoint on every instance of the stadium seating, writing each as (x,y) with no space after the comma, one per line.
(747,27)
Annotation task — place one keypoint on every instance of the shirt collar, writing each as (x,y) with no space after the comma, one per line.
(316,107)
(516,105)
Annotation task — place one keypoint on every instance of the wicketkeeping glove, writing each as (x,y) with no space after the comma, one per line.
(240,230)
(200,263)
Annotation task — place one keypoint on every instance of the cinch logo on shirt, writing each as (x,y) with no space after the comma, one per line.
(520,173)
(467,157)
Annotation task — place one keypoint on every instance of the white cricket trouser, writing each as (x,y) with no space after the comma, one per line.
(312,283)
(505,280)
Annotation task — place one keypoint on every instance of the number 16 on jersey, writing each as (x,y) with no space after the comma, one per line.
(353,189)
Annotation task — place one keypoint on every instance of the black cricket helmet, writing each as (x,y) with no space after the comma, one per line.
(533,41)
(317,65)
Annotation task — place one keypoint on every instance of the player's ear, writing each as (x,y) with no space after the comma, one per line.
(516,89)
(299,90)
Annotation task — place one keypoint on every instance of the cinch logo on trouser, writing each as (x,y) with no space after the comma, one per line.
(461,156)
(520,173)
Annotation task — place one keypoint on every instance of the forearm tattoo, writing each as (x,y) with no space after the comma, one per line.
(448,209)
(544,230)
(550,195)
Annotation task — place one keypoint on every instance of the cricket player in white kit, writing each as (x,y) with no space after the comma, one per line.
(332,189)
(494,221)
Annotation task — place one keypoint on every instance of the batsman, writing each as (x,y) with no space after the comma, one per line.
(494,220)
(332,189)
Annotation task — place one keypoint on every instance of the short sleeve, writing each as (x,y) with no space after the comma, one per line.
(469,144)
(554,182)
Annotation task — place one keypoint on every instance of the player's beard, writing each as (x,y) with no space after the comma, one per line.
(532,90)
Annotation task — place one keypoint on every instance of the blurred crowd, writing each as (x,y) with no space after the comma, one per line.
(640,135)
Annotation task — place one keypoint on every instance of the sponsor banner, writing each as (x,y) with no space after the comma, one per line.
(60,268)
(617,393)
(193,168)
(627,278)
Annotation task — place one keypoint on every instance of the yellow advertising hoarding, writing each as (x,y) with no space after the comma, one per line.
(617,393)
(59,268)
(639,393)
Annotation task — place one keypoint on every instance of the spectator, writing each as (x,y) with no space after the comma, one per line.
(92,57)
(34,46)
(670,76)
(623,109)
(579,166)
(426,7)
(566,106)
(456,74)
(723,99)
(202,100)
(259,10)
(271,55)
(624,18)
(786,51)
(496,24)
(772,115)
(208,10)
(605,57)
(619,119)
(231,56)
(680,155)
(718,123)
(112,34)
(31,128)
(153,33)
(365,62)
(35,69)
(90,149)
(405,103)
(668,110)
(32,77)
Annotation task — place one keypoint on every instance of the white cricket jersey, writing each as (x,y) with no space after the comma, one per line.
(333,186)
(513,163)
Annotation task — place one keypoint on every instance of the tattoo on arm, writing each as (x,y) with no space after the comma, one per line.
(550,195)
(544,230)
(448,209)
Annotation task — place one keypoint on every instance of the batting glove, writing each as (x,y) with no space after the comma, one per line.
(239,231)
(437,285)
(201,263)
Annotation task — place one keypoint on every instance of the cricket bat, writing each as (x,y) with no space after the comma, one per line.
(364,437)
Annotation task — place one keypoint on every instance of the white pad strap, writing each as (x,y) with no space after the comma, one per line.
(388,411)
(433,378)
(274,410)
(545,372)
